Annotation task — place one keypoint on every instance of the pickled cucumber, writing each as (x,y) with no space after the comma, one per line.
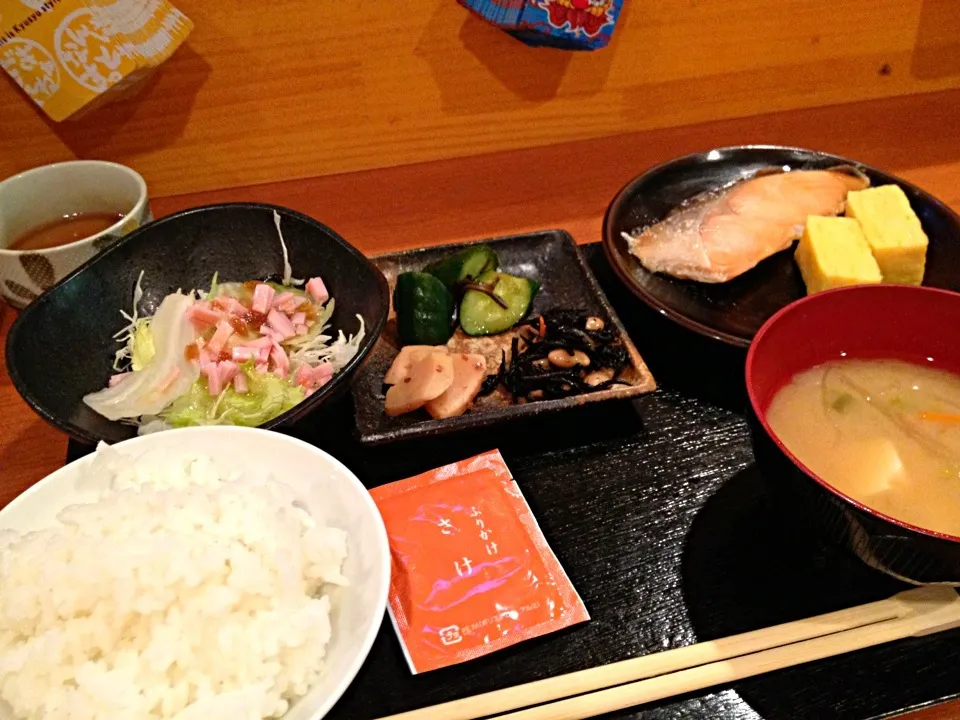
(424,308)
(467,264)
(480,314)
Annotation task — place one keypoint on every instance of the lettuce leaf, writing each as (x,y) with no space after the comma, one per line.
(267,397)
(212,292)
(142,348)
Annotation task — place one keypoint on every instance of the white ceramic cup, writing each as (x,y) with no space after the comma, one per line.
(47,193)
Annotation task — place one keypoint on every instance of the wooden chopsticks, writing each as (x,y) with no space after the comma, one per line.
(645,679)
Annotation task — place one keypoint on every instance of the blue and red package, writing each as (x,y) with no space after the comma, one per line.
(567,24)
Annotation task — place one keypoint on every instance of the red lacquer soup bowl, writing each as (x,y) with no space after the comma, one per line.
(871,321)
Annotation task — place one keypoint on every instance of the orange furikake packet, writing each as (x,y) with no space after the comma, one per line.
(472,572)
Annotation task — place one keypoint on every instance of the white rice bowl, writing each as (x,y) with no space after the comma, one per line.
(268,580)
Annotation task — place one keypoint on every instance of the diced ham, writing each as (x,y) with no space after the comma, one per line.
(263,296)
(317,290)
(205,357)
(244,353)
(281,324)
(299,318)
(301,329)
(219,339)
(212,373)
(264,354)
(272,335)
(227,370)
(230,304)
(169,379)
(258,343)
(281,300)
(202,317)
(281,362)
(311,378)
(117,379)
(240,383)
(304,376)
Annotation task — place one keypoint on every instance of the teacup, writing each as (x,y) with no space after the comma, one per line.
(49,193)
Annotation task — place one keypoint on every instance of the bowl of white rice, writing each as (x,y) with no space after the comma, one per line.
(198,574)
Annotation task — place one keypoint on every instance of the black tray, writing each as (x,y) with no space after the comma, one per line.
(658,515)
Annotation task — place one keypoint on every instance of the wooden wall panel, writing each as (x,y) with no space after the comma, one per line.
(300,88)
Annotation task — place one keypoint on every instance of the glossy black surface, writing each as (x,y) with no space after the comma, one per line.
(733,311)
(551,257)
(62,346)
(663,523)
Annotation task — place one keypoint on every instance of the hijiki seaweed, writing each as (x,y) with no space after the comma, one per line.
(531,373)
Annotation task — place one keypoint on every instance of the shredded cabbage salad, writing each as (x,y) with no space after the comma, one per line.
(241,353)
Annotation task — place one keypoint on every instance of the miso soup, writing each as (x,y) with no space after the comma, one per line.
(883,432)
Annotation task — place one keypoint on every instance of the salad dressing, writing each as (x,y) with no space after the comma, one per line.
(249,323)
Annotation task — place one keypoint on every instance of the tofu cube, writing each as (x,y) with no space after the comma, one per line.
(833,253)
(880,467)
(893,230)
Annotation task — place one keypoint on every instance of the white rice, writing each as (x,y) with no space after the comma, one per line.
(184,593)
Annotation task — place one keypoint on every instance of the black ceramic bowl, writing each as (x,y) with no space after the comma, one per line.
(733,311)
(870,321)
(62,346)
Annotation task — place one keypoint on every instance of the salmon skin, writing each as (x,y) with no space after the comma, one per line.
(717,235)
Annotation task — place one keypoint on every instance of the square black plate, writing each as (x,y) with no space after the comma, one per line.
(552,258)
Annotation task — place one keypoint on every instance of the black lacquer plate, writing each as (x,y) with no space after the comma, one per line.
(62,346)
(658,514)
(550,257)
(732,312)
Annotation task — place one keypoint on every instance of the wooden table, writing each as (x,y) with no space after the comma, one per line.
(565,186)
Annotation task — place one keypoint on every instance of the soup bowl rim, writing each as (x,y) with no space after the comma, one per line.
(134,211)
(760,414)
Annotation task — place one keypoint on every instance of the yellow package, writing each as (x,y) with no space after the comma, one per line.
(69,55)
